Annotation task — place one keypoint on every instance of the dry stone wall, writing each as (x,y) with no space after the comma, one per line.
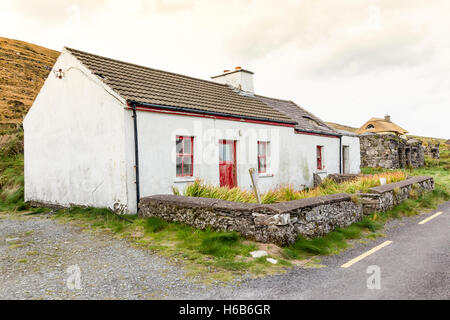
(281,223)
(385,197)
(432,150)
(391,152)
(278,223)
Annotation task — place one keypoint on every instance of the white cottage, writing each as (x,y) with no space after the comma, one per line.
(104,133)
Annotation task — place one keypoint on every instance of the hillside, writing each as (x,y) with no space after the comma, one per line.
(23,70)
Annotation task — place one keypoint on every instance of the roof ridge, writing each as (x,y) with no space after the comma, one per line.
(149,68)
(307,114)
(258,95)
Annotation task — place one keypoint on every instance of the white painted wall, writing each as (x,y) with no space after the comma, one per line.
(354,150)
(74,141)
(293,156)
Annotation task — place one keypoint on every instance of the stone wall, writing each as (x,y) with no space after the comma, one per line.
(432,150)
(281,223)
(339,178)
(385,197)
(278,223)
(391,152)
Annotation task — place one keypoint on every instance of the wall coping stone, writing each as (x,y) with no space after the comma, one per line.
(287,206)
(219,204)
(400,184)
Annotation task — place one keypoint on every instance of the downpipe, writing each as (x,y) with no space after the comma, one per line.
(340,155)
(136,155)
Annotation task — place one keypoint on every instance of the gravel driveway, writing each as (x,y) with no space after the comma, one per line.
(39,256)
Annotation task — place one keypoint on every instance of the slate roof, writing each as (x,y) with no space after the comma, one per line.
(381,125)
(151,86)
(306,121)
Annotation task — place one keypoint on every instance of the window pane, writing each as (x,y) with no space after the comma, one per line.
(179,144)
(187,146)
(261,164)
(179,166)
(225,152)
(187,166)
(262,149)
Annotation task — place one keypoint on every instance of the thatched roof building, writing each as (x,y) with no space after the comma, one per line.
(381,125)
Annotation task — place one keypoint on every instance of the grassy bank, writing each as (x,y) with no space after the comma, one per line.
(11,170)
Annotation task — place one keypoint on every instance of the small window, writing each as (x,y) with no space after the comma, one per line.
(370,126)
(262,156)
(319,152)
(185,156)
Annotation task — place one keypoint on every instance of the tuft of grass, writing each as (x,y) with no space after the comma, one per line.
(369,224)
(154,224)
(176,191)
(219,244)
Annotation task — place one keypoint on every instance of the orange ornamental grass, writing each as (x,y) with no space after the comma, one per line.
(288,193)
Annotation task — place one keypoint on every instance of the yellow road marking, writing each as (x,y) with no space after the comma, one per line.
(431,217)
(365,254)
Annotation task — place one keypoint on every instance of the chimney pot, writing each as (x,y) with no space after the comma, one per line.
(226,71)
(237,68)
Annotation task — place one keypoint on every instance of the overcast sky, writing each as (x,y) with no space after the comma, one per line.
(345,61)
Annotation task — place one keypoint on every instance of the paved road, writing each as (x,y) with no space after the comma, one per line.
(414,266)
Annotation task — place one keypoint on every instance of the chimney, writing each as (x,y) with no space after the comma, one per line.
(238,78)
(387,118)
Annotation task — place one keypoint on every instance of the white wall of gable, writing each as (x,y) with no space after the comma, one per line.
(74,141)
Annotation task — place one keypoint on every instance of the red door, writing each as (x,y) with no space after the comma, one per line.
(227,163)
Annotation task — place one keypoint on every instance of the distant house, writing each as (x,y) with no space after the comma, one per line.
(385,144)
(105,133)
(447,142)
(381,126)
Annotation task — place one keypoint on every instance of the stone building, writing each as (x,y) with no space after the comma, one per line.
(390,151)
(431,149)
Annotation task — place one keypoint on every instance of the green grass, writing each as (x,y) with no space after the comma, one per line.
(332,243)
(12,184)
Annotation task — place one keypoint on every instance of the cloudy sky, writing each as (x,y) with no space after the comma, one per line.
(345,60)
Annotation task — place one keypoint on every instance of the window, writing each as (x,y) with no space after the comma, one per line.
(320,165)
(185,156)
(262,156)
(370,126)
